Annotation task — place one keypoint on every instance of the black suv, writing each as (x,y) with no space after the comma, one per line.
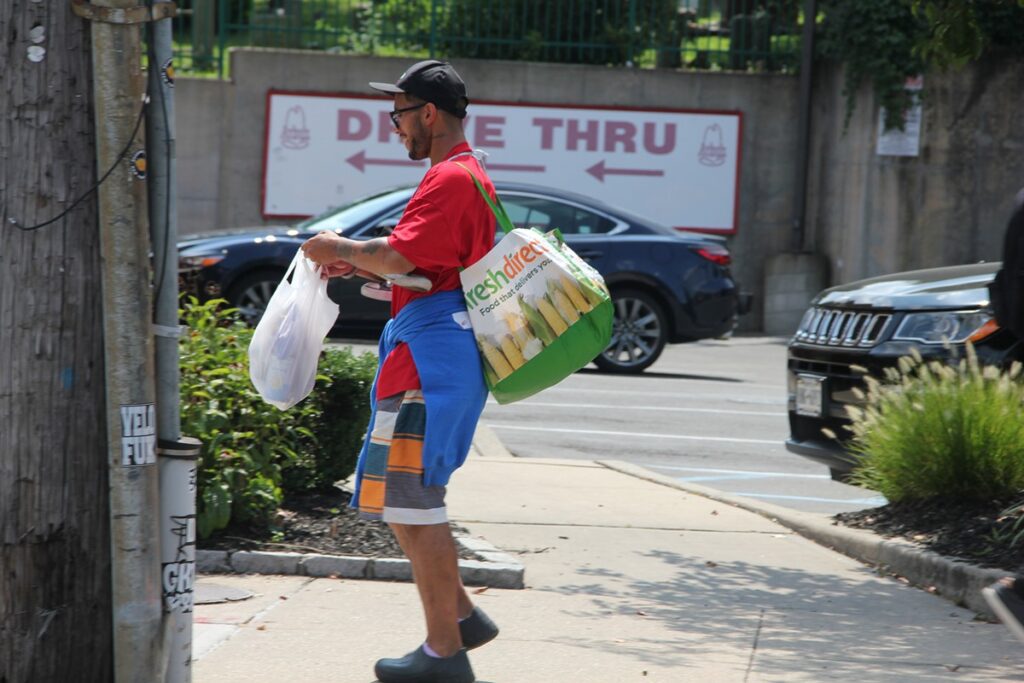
(870,324)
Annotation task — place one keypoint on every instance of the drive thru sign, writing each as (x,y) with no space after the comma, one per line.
(680,168)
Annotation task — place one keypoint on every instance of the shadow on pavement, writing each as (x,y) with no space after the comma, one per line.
(661,375)
(788,620)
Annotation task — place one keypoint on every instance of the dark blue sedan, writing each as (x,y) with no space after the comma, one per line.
(668,287)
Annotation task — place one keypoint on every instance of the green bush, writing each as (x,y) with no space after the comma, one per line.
(342,399)
(254,454)
(939,431)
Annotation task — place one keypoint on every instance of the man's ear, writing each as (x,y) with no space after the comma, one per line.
(432,113)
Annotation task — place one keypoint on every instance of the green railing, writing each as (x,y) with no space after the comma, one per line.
(761,35)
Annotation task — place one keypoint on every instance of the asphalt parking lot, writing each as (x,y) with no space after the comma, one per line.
(711,412)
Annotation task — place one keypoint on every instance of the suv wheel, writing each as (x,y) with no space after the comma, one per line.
(251,294)
(639,333)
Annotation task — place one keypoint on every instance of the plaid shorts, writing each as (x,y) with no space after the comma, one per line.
(392,485)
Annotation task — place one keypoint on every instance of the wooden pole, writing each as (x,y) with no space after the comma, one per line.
(55,595)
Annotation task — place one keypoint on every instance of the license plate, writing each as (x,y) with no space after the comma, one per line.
(809,395)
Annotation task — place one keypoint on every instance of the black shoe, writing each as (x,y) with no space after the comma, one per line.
(1005,599)
(419,667)
(477,629)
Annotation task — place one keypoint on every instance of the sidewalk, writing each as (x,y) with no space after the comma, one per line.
(627,579)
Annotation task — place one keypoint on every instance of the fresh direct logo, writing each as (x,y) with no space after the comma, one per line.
(514,264)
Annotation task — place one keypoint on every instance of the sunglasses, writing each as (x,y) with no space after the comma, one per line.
(397,113)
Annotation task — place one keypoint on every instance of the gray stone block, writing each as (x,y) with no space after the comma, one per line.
(213,561)
(253,562)
(493,574)
(475,545)
(333,565)
(390,569)
(486,552)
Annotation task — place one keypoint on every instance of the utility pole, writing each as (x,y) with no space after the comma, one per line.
(55,592)
(120,86)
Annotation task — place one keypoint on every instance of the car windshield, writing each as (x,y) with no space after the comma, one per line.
(354,213)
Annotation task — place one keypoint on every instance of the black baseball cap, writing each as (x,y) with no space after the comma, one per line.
(432,81)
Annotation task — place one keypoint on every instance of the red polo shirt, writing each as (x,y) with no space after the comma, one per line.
(446,226)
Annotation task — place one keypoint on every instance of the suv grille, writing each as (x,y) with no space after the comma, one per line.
(836,327)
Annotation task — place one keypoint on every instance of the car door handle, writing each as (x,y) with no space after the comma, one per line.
(589,253)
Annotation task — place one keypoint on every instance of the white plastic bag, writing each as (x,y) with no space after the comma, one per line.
(286,345)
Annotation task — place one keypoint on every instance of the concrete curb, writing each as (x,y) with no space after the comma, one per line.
(495,568)
(487,444)
(955,580)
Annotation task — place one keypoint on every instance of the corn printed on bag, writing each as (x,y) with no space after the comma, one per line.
(539,311)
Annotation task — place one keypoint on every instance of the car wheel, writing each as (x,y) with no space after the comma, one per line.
(639,332)
(842,476)
(251,294)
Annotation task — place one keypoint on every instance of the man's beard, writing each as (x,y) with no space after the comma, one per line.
(419,145)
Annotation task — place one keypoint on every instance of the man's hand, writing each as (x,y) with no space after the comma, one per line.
(322,249)
(346,270)
(338,269)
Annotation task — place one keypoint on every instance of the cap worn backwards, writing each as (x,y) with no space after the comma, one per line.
(432,81)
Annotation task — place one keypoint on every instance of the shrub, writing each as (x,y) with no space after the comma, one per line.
(342,398)
(939,431)
(253,453)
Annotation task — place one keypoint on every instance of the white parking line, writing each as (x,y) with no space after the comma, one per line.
(603,406)
(592,432)
(710,474)
(740,386)
(874,501)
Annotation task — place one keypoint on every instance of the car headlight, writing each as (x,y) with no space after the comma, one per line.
(939,327)
(198,262)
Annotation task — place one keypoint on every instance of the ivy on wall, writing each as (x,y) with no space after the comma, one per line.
(875,41)
(887,41)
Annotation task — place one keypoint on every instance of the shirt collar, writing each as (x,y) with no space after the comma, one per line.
(460,148)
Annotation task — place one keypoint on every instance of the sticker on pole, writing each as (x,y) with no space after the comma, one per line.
(138,435)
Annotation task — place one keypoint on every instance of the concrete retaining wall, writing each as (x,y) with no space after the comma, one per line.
(873,214)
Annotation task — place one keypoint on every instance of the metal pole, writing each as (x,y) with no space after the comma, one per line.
(178,480)
(222,35)
(803,128)
(177,475)
(632,34)
(119,86)
(433,29)
(163,212)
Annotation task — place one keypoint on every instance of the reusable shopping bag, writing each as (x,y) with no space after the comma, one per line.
(286,345)
(539,311)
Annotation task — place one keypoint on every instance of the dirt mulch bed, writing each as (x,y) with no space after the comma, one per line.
(976,532)
(317,523)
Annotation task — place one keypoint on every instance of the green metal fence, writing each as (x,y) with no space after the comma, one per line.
(741,35)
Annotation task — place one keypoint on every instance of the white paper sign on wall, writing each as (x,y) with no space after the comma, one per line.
(680,168)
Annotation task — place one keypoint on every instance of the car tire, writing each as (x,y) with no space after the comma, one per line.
(842,476)
(251,293)
(639,333)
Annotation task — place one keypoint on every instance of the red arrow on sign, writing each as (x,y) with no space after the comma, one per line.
(599,171)
(516,167)
(360,161)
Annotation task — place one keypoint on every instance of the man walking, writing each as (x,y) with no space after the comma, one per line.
(429,391)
